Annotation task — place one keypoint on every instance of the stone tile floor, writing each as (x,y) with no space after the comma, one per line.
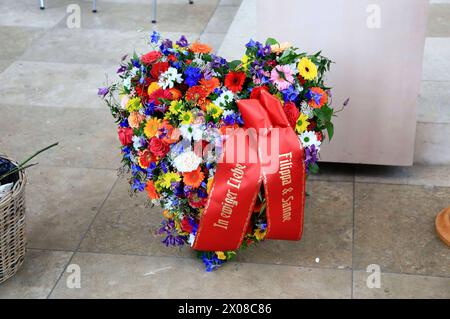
(79,210)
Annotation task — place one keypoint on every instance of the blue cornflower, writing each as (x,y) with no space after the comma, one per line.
(211,263)
(149,109)
(164,166)
(124,123)
(314,96)
(192,75)
(250,44)
(154,37)
(138,185)
(126,150)
(136,63)
(290,94)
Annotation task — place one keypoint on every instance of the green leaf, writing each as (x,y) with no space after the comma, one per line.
(271,41)
(314,169)
(330,130)
(234,64)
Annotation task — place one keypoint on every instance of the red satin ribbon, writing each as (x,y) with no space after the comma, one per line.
(245,164)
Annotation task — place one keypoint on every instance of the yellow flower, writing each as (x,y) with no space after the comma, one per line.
(169,178)
(307,69)
(151,127)
(260,234)
(186,117)
(158,186)
(245,62)
(167,214)
(175,107)
(214,110)
(221,255)
(153,87)
(302,123)
(178,228)
(134,104)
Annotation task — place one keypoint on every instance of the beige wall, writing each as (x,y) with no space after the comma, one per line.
(378,68)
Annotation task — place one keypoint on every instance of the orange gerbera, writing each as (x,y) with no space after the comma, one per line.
(210,84)
(197,95)
(168,133)
(318,97)
(151,127)
(198,47)
(176,94)
(151,190)
(194,178)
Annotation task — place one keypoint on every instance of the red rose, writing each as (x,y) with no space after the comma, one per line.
(292,113)
(158,69)
(125,135)
(151,57)
(186,226)
(234,81)
(158,147)
(256,92)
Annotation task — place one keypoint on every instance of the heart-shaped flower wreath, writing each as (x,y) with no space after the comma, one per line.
(175,101)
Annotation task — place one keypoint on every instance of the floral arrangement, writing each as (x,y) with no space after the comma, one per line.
(174,102)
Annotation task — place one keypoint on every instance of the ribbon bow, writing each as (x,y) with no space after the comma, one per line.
(267,151)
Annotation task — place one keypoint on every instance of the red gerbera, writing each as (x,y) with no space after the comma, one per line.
(159,94)
(158,68)
(234,81)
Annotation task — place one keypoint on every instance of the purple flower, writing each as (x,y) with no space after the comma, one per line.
(263,50)
(121,69)
(217,62)
(166,47)
(183,42)
(103,92)
(311,156)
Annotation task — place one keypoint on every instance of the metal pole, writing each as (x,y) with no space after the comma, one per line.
(154,12)
(94,6)
(42,7)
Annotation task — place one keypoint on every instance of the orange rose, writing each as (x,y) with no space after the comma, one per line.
(135,119)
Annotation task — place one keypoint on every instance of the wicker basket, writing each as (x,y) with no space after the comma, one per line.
(12,230)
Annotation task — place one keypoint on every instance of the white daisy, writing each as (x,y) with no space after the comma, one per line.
(224,99)
(309,138)
(187,162)
(192,131)
(168,78)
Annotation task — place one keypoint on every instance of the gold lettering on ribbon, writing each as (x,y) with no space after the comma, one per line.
(286,180)
(230,201)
